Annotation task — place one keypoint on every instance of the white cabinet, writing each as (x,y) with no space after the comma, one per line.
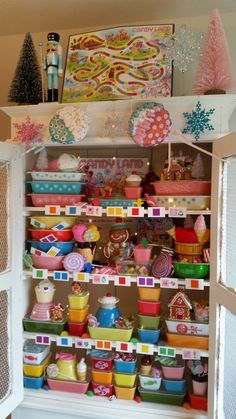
(52,405)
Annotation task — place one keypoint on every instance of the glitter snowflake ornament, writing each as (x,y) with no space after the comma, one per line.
(114,126)
(184,47)
(198,121)
(28,133)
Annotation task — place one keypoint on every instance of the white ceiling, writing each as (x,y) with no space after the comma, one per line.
(21,16)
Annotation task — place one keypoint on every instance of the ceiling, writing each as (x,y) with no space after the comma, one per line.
(21,16)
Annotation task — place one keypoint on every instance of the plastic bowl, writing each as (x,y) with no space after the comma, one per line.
(78,316)
(65,247)
(48,262)
(173,372)
(174,386)
(148,322)
(149,294)
(78,301)
(125,392)
(127,367)
(51,221)
(188,248)
(150,383)
(77,329)
(69,386)
(103,377)
(56,187)
(148,335)
(133,192)
(124,380)
(110,333)
(182,187)
(61,235)
(149,308)
(40,200)
(36,370)
(191,270)
(68,176)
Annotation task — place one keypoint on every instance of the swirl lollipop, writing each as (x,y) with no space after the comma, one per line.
(52,370)
(162,266)
(74,262)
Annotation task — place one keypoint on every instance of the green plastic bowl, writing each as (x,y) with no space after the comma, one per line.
(191,270)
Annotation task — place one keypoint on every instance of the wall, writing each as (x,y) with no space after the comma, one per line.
(10,47)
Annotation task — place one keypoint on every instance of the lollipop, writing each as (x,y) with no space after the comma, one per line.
(52,370)
(162,266)
(74,262)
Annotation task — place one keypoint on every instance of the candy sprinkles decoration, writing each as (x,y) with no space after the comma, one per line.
(149,124)
(69,125)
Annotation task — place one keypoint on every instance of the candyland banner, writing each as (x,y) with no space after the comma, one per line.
(113,171)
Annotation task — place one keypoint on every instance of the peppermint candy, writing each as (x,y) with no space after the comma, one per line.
(74,262)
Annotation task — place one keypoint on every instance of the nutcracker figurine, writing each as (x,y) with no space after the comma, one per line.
(53,65)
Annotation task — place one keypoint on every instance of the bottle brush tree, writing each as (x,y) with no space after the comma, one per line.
(215,72)
(26,86)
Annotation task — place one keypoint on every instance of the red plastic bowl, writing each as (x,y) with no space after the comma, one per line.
(198,402)
(149,308)
(102,364)
(61,235)
(77,329)
(105,390)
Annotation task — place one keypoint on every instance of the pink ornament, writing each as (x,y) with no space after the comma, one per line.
(74,262)
(78,232)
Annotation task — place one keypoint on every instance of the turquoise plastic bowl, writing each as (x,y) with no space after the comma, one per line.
(174,386)
(56,187)
(125,366)
(148,335)
(191,270)
(65,247)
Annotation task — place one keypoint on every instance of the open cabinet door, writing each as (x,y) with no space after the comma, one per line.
(222,378)
(11,245)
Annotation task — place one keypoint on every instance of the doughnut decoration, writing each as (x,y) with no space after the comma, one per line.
(69,125)
(162,266)
(74,262)
(91,234)
(149,124)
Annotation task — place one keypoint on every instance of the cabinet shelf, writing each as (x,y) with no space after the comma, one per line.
(137,347)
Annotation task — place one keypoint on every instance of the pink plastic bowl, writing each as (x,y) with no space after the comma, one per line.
(149,308)
(70,386)
(61,235)
(173,373)
(133,192)
(182,187)
(48,262)
(40,200)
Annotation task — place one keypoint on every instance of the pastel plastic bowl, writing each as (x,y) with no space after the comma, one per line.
(103,377)
(149,308)
(110,333)
(133,192)
(48,262)
(68,386)
(124,380)
(150,383)
(149,294)
(52,187)
(125,392)
(191,270)
(40,200)
(33,382)
(51,221)
(64,247)
(127,367)
(174,386)
(78,302)
(148,322)
(77,315)
(182,187)
(36,370)
(173,372)
(61,235)
(148,335)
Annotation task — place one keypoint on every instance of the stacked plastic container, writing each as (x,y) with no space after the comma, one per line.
(149,314)
(77,313)
(35,359)
(125,376)
(102,373)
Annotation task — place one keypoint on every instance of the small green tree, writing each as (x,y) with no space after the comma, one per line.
(26,86)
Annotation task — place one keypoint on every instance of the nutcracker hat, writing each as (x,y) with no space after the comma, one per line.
(53,37)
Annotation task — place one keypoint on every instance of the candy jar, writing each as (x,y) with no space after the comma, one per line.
(108,312)
(81,370)
(119,245)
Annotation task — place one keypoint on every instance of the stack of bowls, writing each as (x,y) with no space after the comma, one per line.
(77,313)
(148,315)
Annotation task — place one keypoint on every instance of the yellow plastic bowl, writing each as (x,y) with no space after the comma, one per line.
(124,380)
(78,316)
(78,301)
(109,333)
(188,248)
(52,221)
(188,341)
(149,294)
(125,393)
(36,370)
(103,377)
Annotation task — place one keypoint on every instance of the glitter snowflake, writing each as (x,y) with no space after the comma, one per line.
(198,121)
(28,133)
(183,47)
(114,126)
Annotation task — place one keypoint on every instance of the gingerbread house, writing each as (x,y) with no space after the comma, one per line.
(180,306)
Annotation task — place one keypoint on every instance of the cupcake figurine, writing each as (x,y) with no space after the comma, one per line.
(44,291)
(146,365)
